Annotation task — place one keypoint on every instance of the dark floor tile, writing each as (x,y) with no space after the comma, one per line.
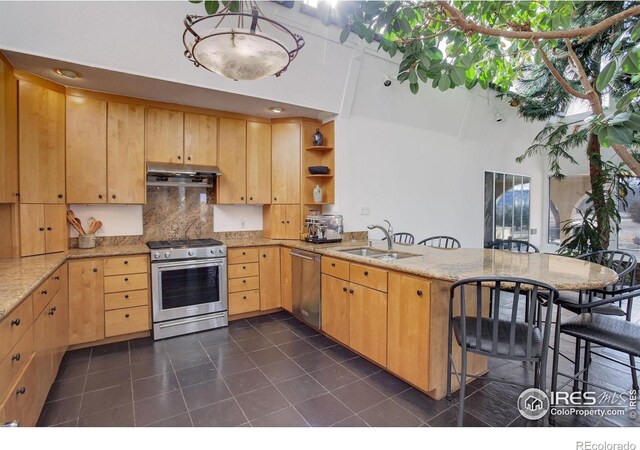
(321,342)
(306,331)
(389,414)
(234,364)
(323,411)
(81,354)
(353,421)
(206,393)
(255,344)
(214,337)
(235,324)
(222,351)
(387,383)
(449,418)
(314,361)
(339,353)
(267,356)
(361,367)
(620,421)
(121,416)
(293,323)
(421,405)
(334,376)
(107,378)
(184,360)
(140,354)
(259,403)
(282,337)
(521,422)
(287,417)
(495,404)
(144,343)
(242,334)
(74,369)
(268,328)
(110,349)
(109,362)
(151,367)
(359,396)
(282,370)
(576,421)
(184,343)
(260,319)
(226,413)
(281,315)
(180,421)
(152,386)
(300,389)
(66,388)
(243,382)
(196,374)
(109,398)
(60,411)
(70,423)
(158,408)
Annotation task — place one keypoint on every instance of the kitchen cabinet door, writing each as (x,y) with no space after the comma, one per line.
(86,125)
(292,222)
(41,134)
(335,308)
(409,322)
(270,288)
(86,301)
(165,135)
(32,230)
(285,279)
(368,322)
(232,160)
(8,135)
(274,221)
(60,306)
(55,223)
(200,139)
(126,171)
(285,163)
(258,163)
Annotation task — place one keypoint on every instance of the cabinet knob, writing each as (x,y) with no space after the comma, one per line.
(188,158)
(126,279)
(244,281)
(56,278)
(275,198)
(179,157)
(287,221)
(366,274)
(17,194)
(126,296)
(250,198)
(16,322)
(344,289)
(350,291)
(21,391)
(244,267)
(113,196)
(244,297)
(333,264)
(126,262)
(41,228)
(49,229)
(283,221)
(419,293)
(126,316)
(95,269)
(60,195)
(44,292)
(264,255)
(100,196)
(244,253)
(16,357)
(241,198)
(52,311)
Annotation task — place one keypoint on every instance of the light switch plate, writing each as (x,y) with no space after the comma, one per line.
(365,211)
(533,231)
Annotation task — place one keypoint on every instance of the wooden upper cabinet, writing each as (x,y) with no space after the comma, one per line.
(86,150)
(270,289)
(8,135)
(285,167)
(292,224)
(200,139)
(43,229)
(232,160)
(41,133)
(165,135)
(126,172)
(258,163)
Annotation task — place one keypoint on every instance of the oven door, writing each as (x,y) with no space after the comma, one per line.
(188,288)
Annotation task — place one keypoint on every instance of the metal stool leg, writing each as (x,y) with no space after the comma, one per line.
(634,374)
(463,386)
(587,363)
(576,364)
(449,362)
(554,365)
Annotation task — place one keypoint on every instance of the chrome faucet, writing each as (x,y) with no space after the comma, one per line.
(388,232)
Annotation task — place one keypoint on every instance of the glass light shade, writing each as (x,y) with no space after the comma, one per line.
(240,56)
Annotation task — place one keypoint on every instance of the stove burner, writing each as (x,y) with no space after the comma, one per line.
(184,243)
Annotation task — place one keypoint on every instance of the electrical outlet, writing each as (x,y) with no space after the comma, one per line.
(243,224)
(534,231)
(365,211)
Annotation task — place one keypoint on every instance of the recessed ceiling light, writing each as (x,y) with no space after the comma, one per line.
(68,73)
(276,109)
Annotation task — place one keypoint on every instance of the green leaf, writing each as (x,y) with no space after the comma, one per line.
(635,31)
(414,88)
(444,83)
(618,43)
(633,122)
(373,7)
(621,135)
(626,99)
(606,75)
(413,76)
(393,48)
(631,63)
(195,1)
(211,6)
(458,75)
(403,76)
(344,34)
(423,74)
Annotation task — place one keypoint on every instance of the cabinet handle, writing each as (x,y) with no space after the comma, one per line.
(188,158)
(49,228)
(244,281)
(17,194)
(283,221)
(344,289)
(52,311)
(126,316)
(244,267)
(126,262)
(241,198)
(350,291)
(366,274)
(44,292)
(16,322)
(419,293)
(16,357)
(95,269)
(333,264)
(60,195)
(264,255)
(126,279)
(21,390)
(57,278)
(100,196)
(126,296)
(244,297)
(113,196)
(250,198)
(41,228)
(275,198)
(244,253)
(179,157)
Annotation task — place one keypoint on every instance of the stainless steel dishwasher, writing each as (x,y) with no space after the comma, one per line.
(305,279)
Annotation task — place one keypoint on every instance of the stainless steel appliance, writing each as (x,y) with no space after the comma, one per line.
(184,175)
(305,277)
(188,286)
(323,228)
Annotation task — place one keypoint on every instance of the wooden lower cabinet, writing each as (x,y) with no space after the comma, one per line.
(126,320)
(270,289)
(86,301)
(244,302)
(23,401)
(409,325)
(368,322)
(286,279)
(335,308)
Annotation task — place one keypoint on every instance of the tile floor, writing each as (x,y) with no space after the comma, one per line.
(267,371)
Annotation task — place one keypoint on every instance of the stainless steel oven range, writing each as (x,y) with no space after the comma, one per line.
(188,286)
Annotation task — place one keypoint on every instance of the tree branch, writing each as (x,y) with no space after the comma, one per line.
(627,158)
(584,79)
(564,83)
(468,26)
(431,36)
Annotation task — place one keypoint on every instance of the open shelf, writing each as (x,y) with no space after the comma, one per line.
(320,175)
(320,148)
(320,155)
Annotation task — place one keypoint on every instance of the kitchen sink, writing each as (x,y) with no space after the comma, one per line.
(368,252)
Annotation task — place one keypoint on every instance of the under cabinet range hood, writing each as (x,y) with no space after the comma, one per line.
(167,174)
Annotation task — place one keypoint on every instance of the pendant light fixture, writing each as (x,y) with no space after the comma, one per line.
(243,45)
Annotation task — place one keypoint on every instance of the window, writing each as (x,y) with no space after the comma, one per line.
(629,234)
(506,206)
(566,198)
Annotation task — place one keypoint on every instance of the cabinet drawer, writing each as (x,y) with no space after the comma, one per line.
(119,283)
(56,280)
(15,325)
(15,361)
(126,320)
(335,267)
(126,299)
(242,255)
(21,401)
(243,270)
(41,297)
(244,284)
(126,265)
(242,302)
(368,276)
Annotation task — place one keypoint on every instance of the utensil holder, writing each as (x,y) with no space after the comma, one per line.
(87,241)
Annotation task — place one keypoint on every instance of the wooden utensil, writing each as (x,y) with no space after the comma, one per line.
(75,222)
(95,226)
(79,223)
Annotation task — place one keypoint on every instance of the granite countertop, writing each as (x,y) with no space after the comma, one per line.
(107,250)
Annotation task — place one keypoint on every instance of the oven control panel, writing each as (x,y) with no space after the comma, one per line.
(189,253)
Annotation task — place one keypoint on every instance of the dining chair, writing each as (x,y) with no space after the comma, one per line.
(503,335)
(513,245)
(402,238)
(440,242)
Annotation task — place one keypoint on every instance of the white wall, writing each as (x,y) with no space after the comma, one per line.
(117,220)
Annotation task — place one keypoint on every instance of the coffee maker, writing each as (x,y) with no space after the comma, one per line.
(322,229)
